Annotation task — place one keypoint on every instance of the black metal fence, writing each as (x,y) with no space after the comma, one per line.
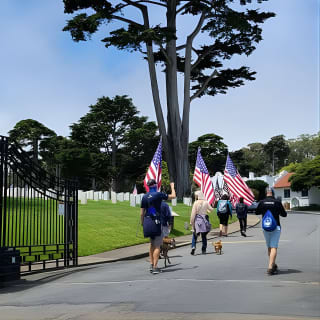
(38,212)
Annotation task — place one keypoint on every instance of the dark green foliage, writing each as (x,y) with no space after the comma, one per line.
(277,149)
(117,139)
(258,185)
(307,175)
(213,150)
(31,134)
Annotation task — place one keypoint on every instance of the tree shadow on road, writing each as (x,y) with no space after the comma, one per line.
(42,278)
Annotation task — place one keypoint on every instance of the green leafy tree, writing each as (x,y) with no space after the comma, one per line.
(278,151)
(258,185)
(307,175)
(103,131)
(136,153)
(204,67)
(251,159)
(30,134)
(306,146)
(213,151)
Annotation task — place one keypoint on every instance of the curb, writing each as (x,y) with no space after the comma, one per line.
(146,254)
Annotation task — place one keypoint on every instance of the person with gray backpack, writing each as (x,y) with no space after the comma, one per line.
(224,211)
(242,210)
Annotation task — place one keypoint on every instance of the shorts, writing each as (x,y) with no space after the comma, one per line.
(272,237)
(223,218)
(156,242)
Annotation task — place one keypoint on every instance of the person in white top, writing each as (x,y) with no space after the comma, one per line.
(199,221)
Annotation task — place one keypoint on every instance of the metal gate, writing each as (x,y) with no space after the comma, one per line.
(38,212)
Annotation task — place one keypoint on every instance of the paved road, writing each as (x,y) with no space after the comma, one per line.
(231,286)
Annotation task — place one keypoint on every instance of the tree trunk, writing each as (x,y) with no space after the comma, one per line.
(174,139)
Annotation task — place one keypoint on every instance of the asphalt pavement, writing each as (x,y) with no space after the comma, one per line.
(233,285)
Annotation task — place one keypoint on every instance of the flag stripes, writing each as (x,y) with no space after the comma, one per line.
(237,187)
(155,169)
(202,178)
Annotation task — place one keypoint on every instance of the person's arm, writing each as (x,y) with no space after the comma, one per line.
(193,214)
(209,209)
(258,210)
(230,207)
(282,211)
(142,211)
(172,195)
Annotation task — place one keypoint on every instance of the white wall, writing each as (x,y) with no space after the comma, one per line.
(303,201)
(314,195)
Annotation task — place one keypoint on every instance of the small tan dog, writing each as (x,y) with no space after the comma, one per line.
(217,246)
(167,243)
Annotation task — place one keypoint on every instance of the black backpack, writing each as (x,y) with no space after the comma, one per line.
(241,208)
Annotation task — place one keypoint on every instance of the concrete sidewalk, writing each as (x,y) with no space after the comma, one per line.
(142,250)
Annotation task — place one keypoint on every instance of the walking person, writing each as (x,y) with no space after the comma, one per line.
(199,221)
(242,210)
(224,211)
(270,204)
(151,208)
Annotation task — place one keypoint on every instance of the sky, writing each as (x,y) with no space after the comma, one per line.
(47,77)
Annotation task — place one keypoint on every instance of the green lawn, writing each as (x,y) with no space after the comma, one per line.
(105,226)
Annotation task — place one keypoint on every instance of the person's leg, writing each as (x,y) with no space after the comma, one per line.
(194,243)
(156,254)
(204,241)
(241,224)
(272,257)
(151,254)
(245,224)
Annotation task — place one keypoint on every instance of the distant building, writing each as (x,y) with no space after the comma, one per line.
(282,188)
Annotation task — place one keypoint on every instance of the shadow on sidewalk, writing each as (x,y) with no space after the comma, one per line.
(25,284)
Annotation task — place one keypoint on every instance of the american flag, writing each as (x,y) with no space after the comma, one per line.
(238,188)
(135,191)
(217,191)
(233,199)
(154,170)
(202,178)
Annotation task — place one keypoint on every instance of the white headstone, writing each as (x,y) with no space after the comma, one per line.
(96,195)
(174,202)
(126,196)
(132,200)
(90,195)
(138,199)
(113,197)
(82,196)
(120,196)
(106,195)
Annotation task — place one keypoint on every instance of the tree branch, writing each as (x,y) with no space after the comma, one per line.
(127,20)
(152,2)
(204,86)
(181,47)
(200,58)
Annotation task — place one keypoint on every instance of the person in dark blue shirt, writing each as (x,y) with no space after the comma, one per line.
(151,204)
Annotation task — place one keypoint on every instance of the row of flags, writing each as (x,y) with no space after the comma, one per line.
(233,184)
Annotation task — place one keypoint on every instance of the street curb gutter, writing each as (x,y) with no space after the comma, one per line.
(146,254)
(128,258)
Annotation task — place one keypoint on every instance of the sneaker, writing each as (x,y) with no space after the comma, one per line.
(204,252)
(243,234)
(192,251)
(271,272)
(151,268)
(275,268)
(156,270)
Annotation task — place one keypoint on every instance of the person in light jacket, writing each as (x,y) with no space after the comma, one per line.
(199,221)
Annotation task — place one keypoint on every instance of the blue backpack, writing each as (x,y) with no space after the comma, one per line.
(269,223)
